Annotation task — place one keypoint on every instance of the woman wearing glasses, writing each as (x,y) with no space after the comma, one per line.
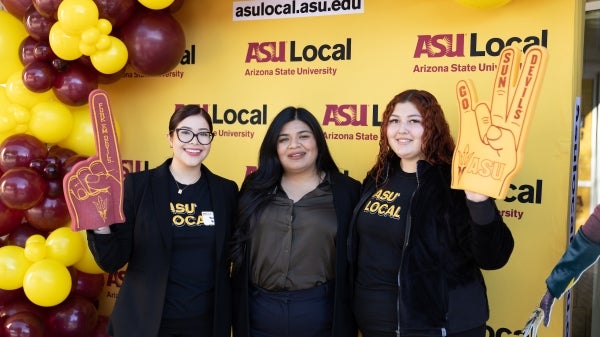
(174,241)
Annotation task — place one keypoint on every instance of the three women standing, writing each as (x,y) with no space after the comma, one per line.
(406,257)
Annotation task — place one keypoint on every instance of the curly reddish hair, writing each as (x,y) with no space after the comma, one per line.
(438,144)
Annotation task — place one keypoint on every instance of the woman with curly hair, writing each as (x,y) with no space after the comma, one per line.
(416,246)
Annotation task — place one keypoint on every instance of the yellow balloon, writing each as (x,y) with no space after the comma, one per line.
(3,136)
(4,101)
(21,128)
(112,59)
(76,16)
(21,114)
(104,42)
(35,238)
(104,26)
(87,263)
(63,44)
(483,4)
(51,113)
(13,266)
(156,4)
(35,251)
(7,121)
(87,49)
(12,33)
(35,248)
(47,283)
(81,138)
(65,246)
(90,35)
(17,92)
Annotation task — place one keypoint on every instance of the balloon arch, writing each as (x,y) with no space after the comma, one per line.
(54,53)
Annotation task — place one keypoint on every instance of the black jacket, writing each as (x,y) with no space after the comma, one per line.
(441,288)
(345,195)
(144,242)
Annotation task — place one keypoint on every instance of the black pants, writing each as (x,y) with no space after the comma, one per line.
(300,313)
(476,332)
(188,327)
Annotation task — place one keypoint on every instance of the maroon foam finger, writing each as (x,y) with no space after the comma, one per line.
(105,132)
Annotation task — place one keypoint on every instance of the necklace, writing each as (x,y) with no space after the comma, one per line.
(180,189)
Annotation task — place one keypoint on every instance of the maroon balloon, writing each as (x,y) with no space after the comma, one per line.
(8,296)
(16,7)
(38,165)
(111,78)
(87,285)
(19,236)
(60,64)
(155,41)
(62,153)
(21,188)
(55,188)
(101,327)
(24,324)
(10,219)
(74,317)
(43,52)
(175,6)
(116,11)
(69,163)
(49,214)
(27,50)
(102,78)
(52,171)
(22,304)
(36,24)
(19,150)
(73,86)
(47,8)
(38,76)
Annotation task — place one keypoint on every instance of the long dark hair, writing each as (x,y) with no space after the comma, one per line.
(255,191)
(438,144)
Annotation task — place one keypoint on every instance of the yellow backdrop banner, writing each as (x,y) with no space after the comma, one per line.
(344,60)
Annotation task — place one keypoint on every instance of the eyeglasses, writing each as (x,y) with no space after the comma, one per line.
(186,136)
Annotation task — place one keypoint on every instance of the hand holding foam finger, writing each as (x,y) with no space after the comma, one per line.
(490,145)
(94,187)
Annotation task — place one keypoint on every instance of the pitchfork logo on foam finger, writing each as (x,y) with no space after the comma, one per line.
(491,140)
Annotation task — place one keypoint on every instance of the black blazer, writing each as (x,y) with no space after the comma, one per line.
(143,242)
(345,196)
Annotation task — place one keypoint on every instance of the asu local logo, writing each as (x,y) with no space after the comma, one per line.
(461,46)
(273,58)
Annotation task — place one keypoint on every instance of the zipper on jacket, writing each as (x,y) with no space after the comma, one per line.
(406,240)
